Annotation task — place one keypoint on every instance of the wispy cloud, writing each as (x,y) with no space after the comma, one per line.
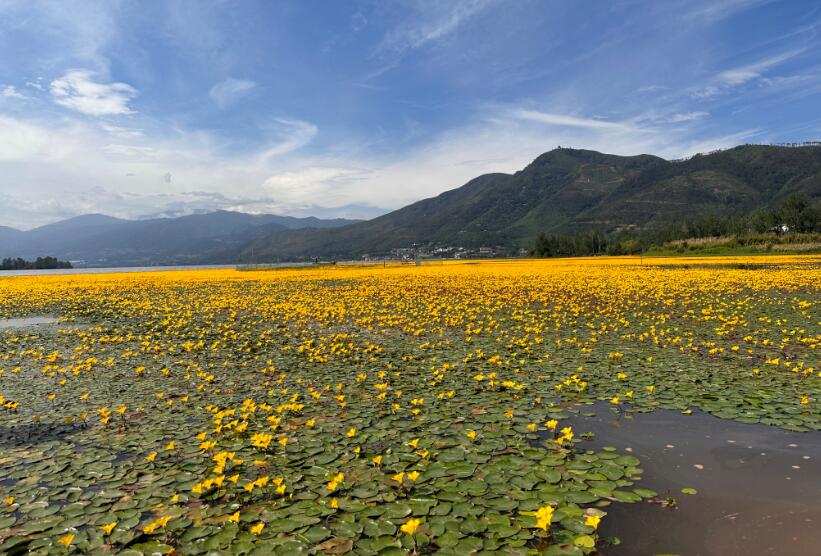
(569,121)
(716,10)
(77,90)
(739,75)
(687,117)
(742,74)
(226,92)
(433,21)
(292,135)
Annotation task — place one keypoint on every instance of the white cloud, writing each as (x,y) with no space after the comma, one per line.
(20,140)
(569,121)
(434,21)
(77,90)
(9,91)
(687,117)
(292,134)
(716,10)
(226,92)
(312,185)
(740,75)
(737,76)
(122,132)
(130,151)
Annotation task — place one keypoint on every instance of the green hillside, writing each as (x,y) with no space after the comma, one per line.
(567,191)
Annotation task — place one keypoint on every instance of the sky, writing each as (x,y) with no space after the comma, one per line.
(353,108)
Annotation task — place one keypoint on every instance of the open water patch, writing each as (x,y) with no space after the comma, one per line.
(757,487)
(26,322)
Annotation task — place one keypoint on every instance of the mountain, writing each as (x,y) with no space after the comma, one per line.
(100,240)
(566,191)
(7,234)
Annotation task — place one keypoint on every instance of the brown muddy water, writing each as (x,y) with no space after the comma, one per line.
(758,487)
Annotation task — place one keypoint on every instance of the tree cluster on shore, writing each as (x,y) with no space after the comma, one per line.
(39,263)
(798,216)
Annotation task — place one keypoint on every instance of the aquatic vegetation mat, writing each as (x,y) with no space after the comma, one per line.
(375,410)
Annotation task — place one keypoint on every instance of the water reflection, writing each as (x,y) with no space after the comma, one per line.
(759,487)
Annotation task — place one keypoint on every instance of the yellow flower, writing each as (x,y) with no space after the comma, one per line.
(592,521)
(233,517)
(151,457)
(544,515)
(532,427)
(9,500)
(261,440)
(257,528)
(377,460)
(334,503)
(615,400)
(66,539)
(108,527)
(413,475)
(170,445)
(333,484)
(310,422)
(351,432)
(413,443)
(552,424)
(410,526)
(398,477)
(471,435)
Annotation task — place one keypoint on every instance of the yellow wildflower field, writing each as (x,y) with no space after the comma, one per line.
(376,409)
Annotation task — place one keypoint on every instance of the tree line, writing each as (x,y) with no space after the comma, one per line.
(797,215)
(39,263)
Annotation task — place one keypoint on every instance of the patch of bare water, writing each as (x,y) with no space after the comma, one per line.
(25,322)
(758,487)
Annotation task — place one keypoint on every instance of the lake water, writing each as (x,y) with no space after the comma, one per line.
(26,322)
(44,272)
(759,487)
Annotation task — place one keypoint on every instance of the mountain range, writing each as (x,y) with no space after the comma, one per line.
(100,240)
(563,191)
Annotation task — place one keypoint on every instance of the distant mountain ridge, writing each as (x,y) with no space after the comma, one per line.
(567,191)
(563,191)
(100,240)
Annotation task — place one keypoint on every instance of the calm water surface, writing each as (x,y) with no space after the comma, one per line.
(759,487)
(44,272)
(26,322)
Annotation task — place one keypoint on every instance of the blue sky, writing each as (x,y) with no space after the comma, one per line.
(352,108)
